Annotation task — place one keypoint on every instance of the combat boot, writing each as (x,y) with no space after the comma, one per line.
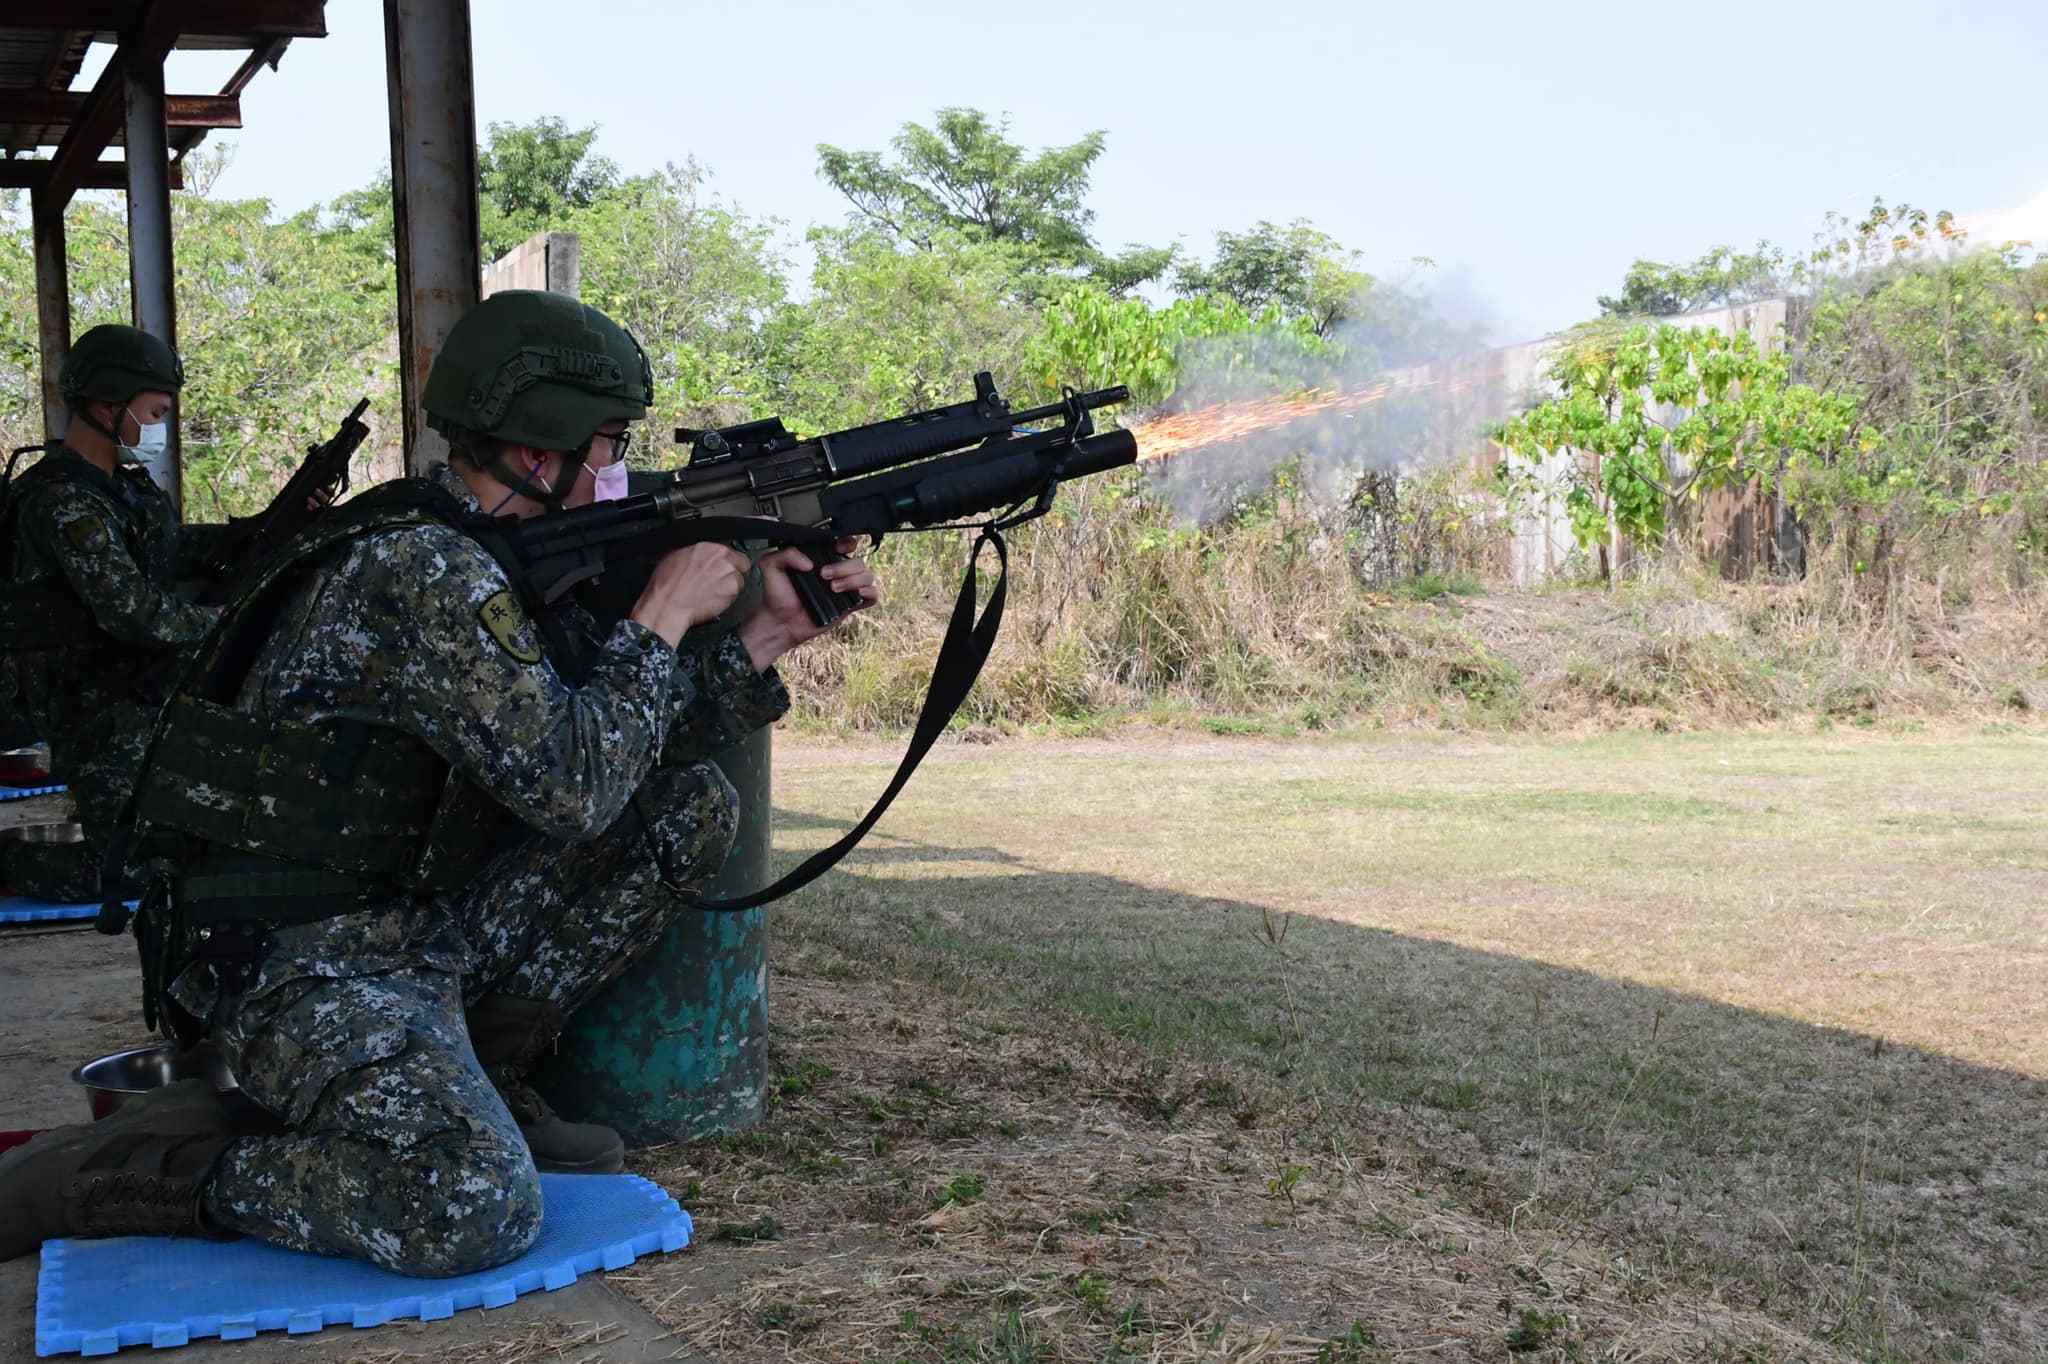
(509,1034)
(138,1172)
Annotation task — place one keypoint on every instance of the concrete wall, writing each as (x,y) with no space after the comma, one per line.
(546,260)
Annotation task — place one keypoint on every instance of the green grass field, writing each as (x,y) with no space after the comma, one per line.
(1759,1016)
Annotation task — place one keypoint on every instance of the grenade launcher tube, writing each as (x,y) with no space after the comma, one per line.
(964,487)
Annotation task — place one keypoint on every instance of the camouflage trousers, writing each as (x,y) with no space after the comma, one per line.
(400,1150)
(100,766)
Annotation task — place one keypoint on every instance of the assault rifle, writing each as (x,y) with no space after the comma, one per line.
(318,481)
(960,463)
(976,462)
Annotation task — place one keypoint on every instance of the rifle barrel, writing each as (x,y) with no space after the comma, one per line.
(1101,397)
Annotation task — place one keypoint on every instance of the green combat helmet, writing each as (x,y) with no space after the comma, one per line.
(538,369)
(113,363)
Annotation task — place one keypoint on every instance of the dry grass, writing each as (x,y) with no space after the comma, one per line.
(1736,1042)
(937,1184)
(539,1342)
(1116,613)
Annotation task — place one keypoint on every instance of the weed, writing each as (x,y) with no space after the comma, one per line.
(807,1076)
(1355,1346)
(762,1228)
(1431,585)
(963,1189)
(1536,1329)
(1282,1184)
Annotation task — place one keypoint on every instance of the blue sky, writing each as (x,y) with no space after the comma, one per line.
(1532,151)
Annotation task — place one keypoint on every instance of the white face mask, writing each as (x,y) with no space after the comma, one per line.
(152,440)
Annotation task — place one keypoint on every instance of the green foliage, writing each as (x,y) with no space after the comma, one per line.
(962,1189)
(696,280)
(1717,278)
(532,176)
(1945,350)
(887,330)
(1305,273)
(1659,414)
(1091,338)
(1915,429)
(964,178)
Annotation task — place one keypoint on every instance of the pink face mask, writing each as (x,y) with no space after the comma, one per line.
(610,481)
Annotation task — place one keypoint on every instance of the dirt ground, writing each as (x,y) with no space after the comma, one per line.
(1639,1047)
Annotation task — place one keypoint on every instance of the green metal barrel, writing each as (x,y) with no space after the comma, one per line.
(677,1047)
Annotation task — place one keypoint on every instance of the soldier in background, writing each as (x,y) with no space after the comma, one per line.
(484,809)
(91,628)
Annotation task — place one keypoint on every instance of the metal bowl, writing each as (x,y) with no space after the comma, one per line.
(113,1080)
(47,833)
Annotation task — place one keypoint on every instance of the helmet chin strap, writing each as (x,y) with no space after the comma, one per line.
(531,485)
(112,433)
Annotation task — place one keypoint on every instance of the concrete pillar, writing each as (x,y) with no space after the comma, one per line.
(434,185)
(53,305)
(152,282)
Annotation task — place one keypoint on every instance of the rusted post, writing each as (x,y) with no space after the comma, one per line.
(53,305)
(433,185)
(152,285)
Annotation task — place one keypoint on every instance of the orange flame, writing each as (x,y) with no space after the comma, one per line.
(1223,423)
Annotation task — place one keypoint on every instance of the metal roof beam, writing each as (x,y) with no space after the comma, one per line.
(204,18)
(64,106)
(105,108)
(97,175)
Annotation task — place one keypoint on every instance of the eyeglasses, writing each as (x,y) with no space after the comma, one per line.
(621,442)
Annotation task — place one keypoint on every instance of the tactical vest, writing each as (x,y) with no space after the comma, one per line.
(255,825)
(47,614)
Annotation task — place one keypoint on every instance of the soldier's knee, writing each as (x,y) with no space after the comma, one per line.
(695,814)
(476,1207)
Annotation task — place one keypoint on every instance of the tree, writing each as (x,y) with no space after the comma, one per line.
(532,176)
(1660,414)
(964,177)
(887,331)
(695,280)
(1301,271)
(1091,339)
(1721,277)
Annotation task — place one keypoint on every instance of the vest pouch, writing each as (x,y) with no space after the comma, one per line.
(348,798)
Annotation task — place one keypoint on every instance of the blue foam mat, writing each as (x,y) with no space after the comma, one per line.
(93,1297)
(19,909)
(24,792)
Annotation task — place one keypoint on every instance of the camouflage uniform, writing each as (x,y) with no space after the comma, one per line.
(351,1029)
(115,544)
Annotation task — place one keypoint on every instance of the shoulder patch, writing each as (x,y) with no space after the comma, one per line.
(86,534)
(502,616)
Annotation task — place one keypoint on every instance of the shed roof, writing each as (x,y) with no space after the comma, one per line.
(43,46)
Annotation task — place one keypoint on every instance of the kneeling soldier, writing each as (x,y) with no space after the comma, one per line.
(406,821)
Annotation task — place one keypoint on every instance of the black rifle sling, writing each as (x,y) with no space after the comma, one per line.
(965,649)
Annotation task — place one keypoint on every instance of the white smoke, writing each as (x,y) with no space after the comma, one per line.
(1424,342)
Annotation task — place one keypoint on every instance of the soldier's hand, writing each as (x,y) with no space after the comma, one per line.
(781,623)
(688,587)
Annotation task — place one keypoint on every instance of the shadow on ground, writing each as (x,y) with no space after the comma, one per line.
(1891,1198)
